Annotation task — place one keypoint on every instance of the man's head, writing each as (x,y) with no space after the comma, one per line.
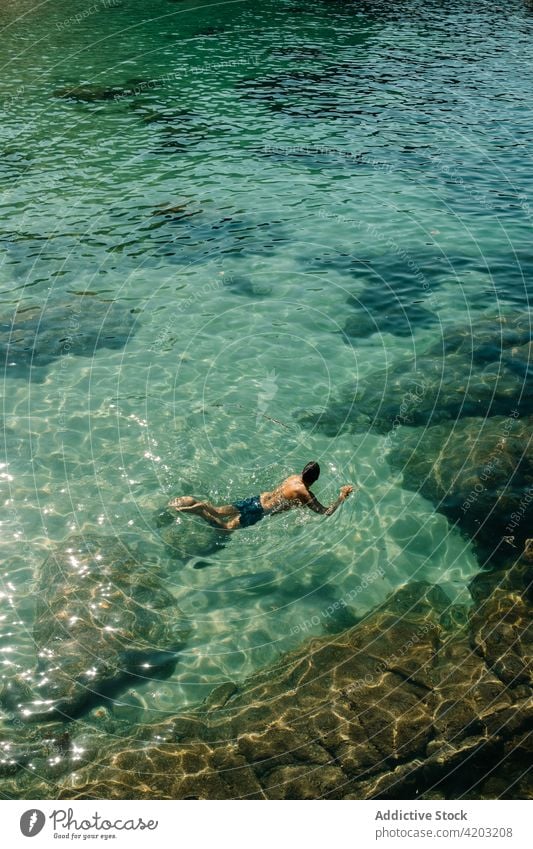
(310,474)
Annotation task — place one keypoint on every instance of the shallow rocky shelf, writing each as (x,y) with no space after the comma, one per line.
(402,705)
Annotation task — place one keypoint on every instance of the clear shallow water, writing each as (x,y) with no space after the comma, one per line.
(341,186)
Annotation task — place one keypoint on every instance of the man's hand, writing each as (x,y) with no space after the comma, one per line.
(329,511)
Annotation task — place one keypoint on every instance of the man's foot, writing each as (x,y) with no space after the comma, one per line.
(185,502)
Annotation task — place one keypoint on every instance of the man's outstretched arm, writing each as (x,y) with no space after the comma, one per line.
(315,505)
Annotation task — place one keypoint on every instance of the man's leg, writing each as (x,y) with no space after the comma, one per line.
(221,517)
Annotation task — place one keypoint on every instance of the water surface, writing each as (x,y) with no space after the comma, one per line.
(277,201)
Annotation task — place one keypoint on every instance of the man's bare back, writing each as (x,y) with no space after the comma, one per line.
(292,492)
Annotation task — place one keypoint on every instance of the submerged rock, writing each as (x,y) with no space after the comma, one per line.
(483,369)
(23,747)
(92,93)
(32,337)
(102,621)
(401,705)
(211,30)
(488,338)
(478,472)
(178,210)
(188,537)
(380,309)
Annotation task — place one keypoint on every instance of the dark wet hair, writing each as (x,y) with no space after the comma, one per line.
(311,473)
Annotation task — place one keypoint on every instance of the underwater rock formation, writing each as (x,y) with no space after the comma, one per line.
(303,93)
(92,93)
(187,537)
(407,703)
(487,338)
(33,336)
(102,620)
(379,309)
(479,369)
(478,472)
(195,228)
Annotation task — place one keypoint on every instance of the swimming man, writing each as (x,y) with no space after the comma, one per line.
(292,492)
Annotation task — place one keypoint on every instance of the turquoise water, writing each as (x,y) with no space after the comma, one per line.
(278,200)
